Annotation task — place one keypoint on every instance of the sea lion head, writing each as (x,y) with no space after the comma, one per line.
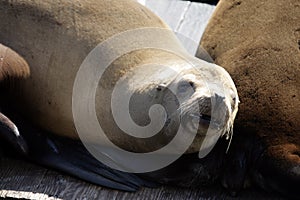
(205,101)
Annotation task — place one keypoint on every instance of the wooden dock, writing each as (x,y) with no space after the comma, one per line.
(187,19)
(22,180)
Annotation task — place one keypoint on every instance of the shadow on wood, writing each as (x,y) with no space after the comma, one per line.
(22,180)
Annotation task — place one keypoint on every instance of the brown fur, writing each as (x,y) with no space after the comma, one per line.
(258,43)
(12,64)
(56,36)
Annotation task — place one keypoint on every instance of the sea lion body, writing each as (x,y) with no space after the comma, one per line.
(11,65)
(56,38)
(55,41)
(258,43)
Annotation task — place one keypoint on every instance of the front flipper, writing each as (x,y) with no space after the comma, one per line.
(238,161)
(278,168)
(71,157)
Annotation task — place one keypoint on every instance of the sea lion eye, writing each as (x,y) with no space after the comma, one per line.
(234,99)
(233,96)
(160,87)
(185,86)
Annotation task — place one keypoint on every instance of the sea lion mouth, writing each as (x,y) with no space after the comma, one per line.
(206,120)
(203,118)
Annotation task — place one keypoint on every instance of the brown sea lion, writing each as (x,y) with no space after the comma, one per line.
(68,45)
(258,43)
(11,65)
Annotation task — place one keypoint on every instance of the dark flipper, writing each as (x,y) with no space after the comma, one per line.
(278,169)
(71,157)
(9,136)
(239,161)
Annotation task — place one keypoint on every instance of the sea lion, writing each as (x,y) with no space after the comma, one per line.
(258,43)
(11,65)
(62,39)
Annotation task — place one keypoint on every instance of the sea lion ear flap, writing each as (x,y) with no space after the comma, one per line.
(12,64)
(161,87)
(204,55)
(160,90)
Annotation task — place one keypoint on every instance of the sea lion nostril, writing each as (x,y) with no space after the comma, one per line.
(206,117)
(192,84)
(219,98)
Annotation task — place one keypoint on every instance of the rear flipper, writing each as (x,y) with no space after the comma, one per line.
(71,157)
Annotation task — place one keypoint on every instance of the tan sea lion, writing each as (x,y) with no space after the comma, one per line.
(258,43)
(68,45)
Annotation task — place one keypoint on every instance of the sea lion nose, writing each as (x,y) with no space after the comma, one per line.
(219,98)
(220,109)
(214,112)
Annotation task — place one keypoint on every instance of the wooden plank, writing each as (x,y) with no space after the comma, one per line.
(193,25)
(22,180)
(171,11)
(143,2)
(187,19)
